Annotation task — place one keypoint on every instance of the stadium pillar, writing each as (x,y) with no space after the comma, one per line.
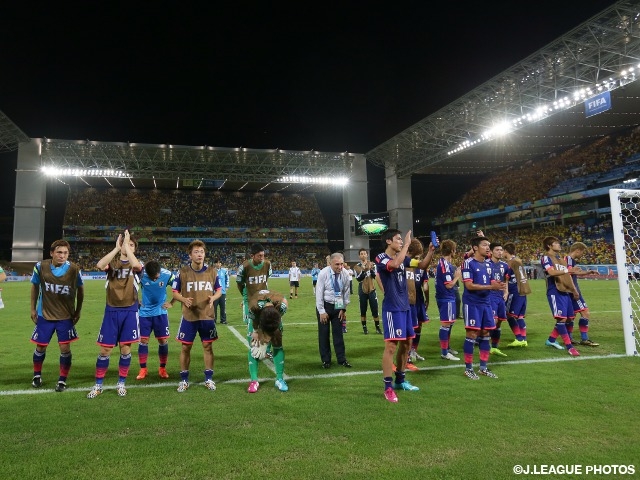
(399,201)
(30,200)
(355,201)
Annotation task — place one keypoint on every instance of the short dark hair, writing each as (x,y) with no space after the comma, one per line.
(60,243)
(447,247)
(269,319)
(475,241)
(362,250)
(548,241)
(388,235)
(152,268)
(256,248)
(494,245)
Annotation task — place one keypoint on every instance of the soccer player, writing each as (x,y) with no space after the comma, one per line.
(499,271)
(418,290)
(153,316)
(447,276)
(396,312)
(252,277)
(560,289)
(197,288)
(518,289)
(365,272)
(57,294)
(314,275)
(223,279)
(576,251)
(294,280)
(478,315)
(120,322)
(265,327)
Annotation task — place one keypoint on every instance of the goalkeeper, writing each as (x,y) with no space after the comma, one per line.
(263,328)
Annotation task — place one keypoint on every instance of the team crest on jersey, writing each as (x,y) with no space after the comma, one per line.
(161,284)
(398,332)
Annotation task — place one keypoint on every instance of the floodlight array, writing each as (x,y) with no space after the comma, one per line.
(84,172)
(336,181)
(544,111)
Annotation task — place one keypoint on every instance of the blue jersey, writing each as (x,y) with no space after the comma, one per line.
(499,271)
(223,279)
(421,277)
(479,273)
(445,272)
(57,272)
(314,274)
(571,263)
(154,293)
(394,281)
(547,262)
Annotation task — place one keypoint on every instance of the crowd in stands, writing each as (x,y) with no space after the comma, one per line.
(528,241)
(203,215)
(191,208)
(535,179)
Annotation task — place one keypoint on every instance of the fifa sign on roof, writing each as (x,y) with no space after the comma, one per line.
(598,104)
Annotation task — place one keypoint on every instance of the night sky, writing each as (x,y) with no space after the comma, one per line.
(329,76)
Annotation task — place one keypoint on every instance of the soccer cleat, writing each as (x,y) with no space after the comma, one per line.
(282,385)
(516,343)
(142,374)
(269,355)
(378,331)
(573,352)
(411,367)
(496,351)
(344,329)
(183,386)
(390,395)
(121,389)
(326,364)
(346,364)
(589,343)
(253,387)
(36,382)
(554,345)
(524,343)
(405,386)
(95,391)
(223,322)
(449,356)
(61,386)
(365,330)
(210,384)
(453,352)
(487,373)
(162,371)
(469,373)
(418,357)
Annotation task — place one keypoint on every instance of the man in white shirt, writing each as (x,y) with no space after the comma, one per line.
(294,280)
(332,298)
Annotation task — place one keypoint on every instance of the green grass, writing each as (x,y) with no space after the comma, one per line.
(331,424)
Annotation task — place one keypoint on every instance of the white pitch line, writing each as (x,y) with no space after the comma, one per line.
(268,363)
(321,375)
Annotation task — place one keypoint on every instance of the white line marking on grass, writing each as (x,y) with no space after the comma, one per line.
(320,375)
(268,363)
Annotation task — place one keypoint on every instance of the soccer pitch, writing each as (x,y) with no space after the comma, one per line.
(546,408)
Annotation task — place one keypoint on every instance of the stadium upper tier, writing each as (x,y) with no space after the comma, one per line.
(603,162)
(178,208)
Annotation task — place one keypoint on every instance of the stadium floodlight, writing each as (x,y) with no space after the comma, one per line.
(336,181)
(83,172)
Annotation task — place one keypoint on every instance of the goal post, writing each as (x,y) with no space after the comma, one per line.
(625,215)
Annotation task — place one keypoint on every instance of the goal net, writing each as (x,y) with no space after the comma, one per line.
(625,213)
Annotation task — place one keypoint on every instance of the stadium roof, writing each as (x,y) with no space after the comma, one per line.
(177,166)
(536,99)
(602,54)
